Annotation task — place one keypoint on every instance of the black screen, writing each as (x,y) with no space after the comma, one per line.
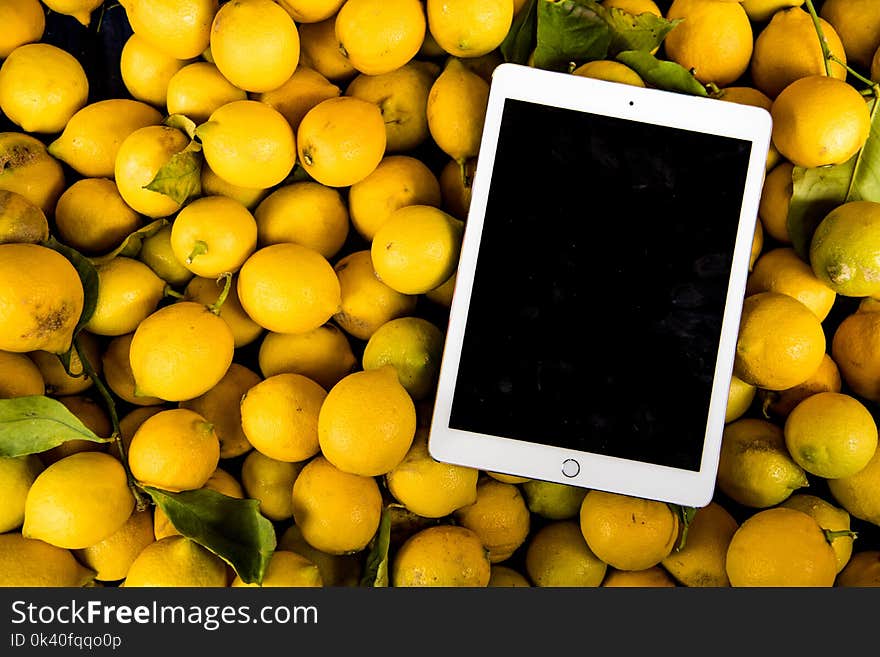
(600,284)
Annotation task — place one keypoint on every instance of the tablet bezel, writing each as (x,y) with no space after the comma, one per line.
(545,462)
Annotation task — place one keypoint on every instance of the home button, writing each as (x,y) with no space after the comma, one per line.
(570,468)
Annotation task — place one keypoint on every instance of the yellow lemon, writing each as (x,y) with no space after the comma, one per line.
(60,382)
(780,547)
(156,252)
(176,561)
(456,110)
(118,374)
(413,347)
(41,299)
(338,512)
(78,501)
(427,487)
(469,28)
(323,354)
(845,248)
(398,181)
(319,50)
(857,23)
(24,22)
(112,557)
(26,168)
(221,406)
(139,159)
(19,377)
(335,569)
(198,89)
(782,270)
(507,478)
(417,248)
(287,569)
(503,576)
(81,10)
(207,291)
(855,349)
(754,468)
(270,482)
(499,517)
(181,28)
(311,11)
(92,136)
(701,562)
(147,70)
(825,379)
(92,217)
(255,44)
(739,398)
(611,71)
(634,7)
(128,291)
(130,423)
(380,37)
(180,352)
(340,141)
(402,97)
(17,475)
(775,201)
(248,144)
(762,10)
(444,556)
(279,416)
(557,555)
(20,220)
(484,65)
(306,213)
(302,91)
(652,577)
(213,235)
(214,185)
(41,87)
(367,303)
(829,518)
(25,562)
(860,493)
(367,423)
(288,288)
(863,570)
(455,187)
(553,501)
(757,244)
(174,450)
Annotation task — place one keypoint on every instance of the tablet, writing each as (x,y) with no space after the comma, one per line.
(592,331)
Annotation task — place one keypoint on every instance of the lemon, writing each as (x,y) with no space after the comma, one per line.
(248,144)
(41,299)
(413,347)
(306,213)
(118,374)
(507,478)
(288,288)
(323,354)
(337,512)
(830,518)
(739,399)
(499,517)
(825,379)
(92,217)
(634,7)
(335,569)
(652,577)
(780,547)
(762,10)
(557,555)
(60,382)
(180,352)
(156,252)
(367,303)
(443,556)
(147,70)
(270,482)
(845,249)
(855,348)
(754,467)
(380,37)
(139,159)
(24,22)
(367,423)
(484,65)
(41,87)
(701,562)
(757,244)
(819,121)
(455,187)
(714,39)
(198,89)
(398,181)
(340,141)
(207,291)
(319,50)
(611,71)
(112,557)
(417,249)
(756,98)
(176,561)
(287,569)
(26,168)
(443,295)
(174,450)
(255,44)
(402,97)
(300,93)
(25,562)
(214,185)
(858,493)
(19,377)
(213,235)
(311,11)
(775,201)
(78,501)
(857,23)
(180,28)
(456,110)
(469,28)
(81,10)
(17,474)
(782,270)
(20,220)
(427,487)
(131,422)
(279,416)
(504,576)
(863,570)
(128,291)
(553,501)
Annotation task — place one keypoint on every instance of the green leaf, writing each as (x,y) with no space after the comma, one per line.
(520,40)
(131,245)
(568,32)
(642,32)
(231,528)
(376,568)
(180,178)
(661,74)
(30,425)
(182,123)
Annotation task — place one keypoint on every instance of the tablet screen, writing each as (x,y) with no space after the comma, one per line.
(600,285)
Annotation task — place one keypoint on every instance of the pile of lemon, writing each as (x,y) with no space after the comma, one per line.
(274,216)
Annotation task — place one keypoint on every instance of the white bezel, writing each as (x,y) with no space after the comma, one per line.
(544,462)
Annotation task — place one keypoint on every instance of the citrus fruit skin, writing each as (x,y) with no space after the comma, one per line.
(208,290)
(26,562)
(557,555)
(456,110)
(762,10)
(287,569)
(782,270)
(271,483)
(739,399)
(503,576)
(855,348)
(311,11)
(845,249)
(469,28)
(17,474)
(128,292)
(857,22)
(27,169)
(147,71)
(444,556)
(500,518)
(653,577)
(180,28)
(380,37)
(335,569)
(300,93)
(92,217)
(112,557)
(701,562)
(24,22)
(859,494)
(825,379)
(829,517)
(320,51)
(20,220)
(413,346)
(19,377)
(198,89)
(776,200)
(176,561)
(603,69)
(323,355)
(862,570)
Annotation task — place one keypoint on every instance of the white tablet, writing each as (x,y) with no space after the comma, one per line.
(592,331)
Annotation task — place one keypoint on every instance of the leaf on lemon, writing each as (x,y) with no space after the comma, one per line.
(180,178)
(661,74)
(376,567)
(570,31)
(182,123)
(131,245)
(34,424)
(520,40)
(642,32)
(231,528)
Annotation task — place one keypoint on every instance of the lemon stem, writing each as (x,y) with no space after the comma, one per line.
(171,292)
(89,371)
(858,76)
(199,248)
(215,307)
(826,51)
(830,536)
